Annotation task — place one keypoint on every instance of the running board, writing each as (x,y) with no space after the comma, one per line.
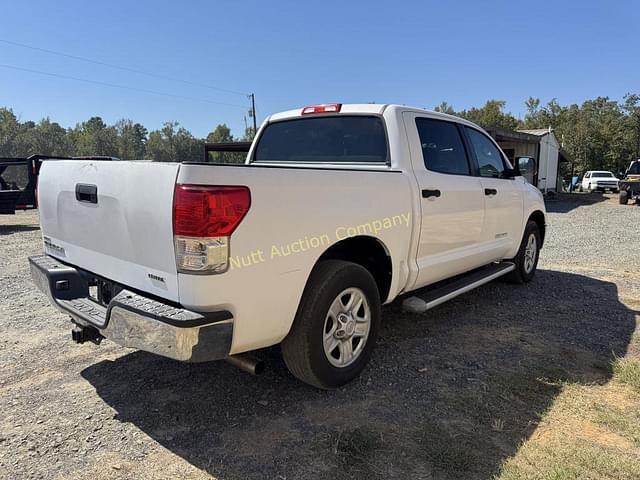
(428,299)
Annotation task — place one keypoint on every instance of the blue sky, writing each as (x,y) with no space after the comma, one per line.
(295,53)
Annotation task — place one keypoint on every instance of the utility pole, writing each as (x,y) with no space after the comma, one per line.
(252,112)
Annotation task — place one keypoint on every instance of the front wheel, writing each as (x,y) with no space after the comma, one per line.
(336,325)
(526,261)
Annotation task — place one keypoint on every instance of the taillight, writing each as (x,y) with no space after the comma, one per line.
(324,108)
(204,217)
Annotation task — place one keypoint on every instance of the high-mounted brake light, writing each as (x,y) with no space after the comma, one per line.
(204,217)
(324,108)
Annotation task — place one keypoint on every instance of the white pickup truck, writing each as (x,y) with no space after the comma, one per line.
(337,210)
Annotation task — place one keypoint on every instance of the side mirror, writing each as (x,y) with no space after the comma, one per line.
(526,165)
(511,172)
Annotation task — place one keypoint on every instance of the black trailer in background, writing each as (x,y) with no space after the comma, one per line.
(18,183)
(226,152)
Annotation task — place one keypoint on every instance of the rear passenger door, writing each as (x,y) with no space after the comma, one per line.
(503,197)
(451,199)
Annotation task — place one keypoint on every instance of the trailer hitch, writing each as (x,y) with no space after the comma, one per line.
(81,334)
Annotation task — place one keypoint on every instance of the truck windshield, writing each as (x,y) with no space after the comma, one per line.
(327,139)
(602,174)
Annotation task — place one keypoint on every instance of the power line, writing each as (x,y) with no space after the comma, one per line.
(119,67)
(124,87)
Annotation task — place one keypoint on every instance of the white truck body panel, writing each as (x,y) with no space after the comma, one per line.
(266,289)
(127,235)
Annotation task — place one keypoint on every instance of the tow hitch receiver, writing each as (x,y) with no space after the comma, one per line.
(82,334)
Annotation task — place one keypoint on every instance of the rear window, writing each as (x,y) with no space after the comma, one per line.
(334,139)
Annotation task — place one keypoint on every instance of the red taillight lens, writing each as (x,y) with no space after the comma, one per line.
(324,108)
(209,211)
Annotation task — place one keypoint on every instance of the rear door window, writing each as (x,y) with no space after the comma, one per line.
(326,139)
(442,147)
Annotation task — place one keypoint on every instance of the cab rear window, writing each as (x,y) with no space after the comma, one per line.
(326,139)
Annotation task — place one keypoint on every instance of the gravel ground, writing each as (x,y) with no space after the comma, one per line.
(451,393)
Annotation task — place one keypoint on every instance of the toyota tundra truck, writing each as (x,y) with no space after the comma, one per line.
(337,210)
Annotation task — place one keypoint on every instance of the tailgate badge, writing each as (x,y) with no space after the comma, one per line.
(53,248)
(155,277)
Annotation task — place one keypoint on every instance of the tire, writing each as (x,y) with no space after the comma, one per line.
(525,265)
(580,189)
(623,197)
(305,349)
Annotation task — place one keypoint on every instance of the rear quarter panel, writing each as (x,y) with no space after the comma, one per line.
(296,214)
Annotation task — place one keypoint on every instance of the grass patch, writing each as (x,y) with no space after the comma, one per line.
(569,459)
(624,422)
(627,370)
(501,403)
(590,432)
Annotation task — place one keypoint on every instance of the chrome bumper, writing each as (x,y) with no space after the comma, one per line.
(135,321)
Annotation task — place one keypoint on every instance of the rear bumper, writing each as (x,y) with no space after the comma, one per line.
(133,320)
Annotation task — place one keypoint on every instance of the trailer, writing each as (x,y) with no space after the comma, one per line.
(630,185)
(18,183)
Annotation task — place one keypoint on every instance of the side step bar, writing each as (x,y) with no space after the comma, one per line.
(429,298)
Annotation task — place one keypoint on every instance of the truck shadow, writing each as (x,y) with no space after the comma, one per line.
(9,229)
(566,202)
(449,394)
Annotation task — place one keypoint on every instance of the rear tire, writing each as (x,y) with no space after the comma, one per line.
(311,351)
(526,260)
(623,197)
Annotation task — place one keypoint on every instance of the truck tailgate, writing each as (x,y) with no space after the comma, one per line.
(123,232)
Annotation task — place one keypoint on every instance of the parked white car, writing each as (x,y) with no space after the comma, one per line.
(337,210)
(599,180)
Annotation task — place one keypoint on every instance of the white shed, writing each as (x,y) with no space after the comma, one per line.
(548,158)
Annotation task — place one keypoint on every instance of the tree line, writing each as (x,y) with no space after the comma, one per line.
(598,134)
(125,139)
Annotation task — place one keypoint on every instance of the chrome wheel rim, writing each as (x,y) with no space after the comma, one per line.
(346,327)
(530,253)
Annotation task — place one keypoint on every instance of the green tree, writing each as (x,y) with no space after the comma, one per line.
(222,134)
(132,139)
(94,137)
(48,138)
(9,133)
(491,115)
(173,143)
(444,107)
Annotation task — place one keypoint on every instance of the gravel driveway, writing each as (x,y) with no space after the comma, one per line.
(449,394)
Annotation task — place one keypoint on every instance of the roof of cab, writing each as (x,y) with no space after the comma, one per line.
(372,108)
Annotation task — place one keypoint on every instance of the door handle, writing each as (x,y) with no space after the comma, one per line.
(430,193)
(490,191)
(86,193)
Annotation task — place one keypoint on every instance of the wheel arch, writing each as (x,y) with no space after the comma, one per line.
(538,217)
(369,252)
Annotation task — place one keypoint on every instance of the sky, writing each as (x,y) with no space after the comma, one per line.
(196,61)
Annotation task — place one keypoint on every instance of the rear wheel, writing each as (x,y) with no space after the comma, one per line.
(526,261)
(623,197)
(335,327)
